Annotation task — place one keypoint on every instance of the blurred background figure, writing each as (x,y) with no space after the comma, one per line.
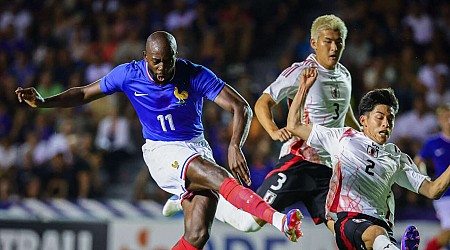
(434,158)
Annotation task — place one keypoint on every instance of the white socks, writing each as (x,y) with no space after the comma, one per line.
(382,242)
(235,217)
(277,220)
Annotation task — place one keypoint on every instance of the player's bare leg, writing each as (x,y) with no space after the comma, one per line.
(375,237)
(198,218)
(203,174)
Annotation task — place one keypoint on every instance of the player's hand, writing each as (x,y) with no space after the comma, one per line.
(308,77)
(238,165)
(281,135)
(30,96)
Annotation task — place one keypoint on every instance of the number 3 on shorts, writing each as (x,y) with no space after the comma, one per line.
(281,180)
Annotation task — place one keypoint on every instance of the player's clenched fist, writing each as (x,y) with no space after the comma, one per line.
(308,76)
(30,96)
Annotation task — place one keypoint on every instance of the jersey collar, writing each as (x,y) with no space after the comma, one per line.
(150,75)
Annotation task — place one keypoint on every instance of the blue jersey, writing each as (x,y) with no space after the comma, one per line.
(437,148)
(168,112)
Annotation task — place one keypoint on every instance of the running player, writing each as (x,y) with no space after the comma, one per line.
(364,169)
(167,94)
(437,149)
(302,173)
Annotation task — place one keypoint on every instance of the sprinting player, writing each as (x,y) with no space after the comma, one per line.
(437,149)
(167,94)
(302,173)
(364,170)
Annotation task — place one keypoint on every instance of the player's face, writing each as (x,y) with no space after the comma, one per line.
(161,63)
(328,48)
(378,124)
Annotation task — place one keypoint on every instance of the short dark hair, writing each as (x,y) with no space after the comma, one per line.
(374,97)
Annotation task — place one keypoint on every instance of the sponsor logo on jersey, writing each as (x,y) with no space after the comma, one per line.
(269,197)
(359,220)
(139,94)
(175,165)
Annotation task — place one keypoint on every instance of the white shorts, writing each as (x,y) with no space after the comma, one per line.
(168,162)
(442,211)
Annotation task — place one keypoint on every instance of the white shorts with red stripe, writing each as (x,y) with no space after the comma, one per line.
(168,162)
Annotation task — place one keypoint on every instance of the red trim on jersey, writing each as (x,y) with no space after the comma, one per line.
(286,165)
(289,70)
(337,193)
(308,62)
(348,133)
(295,148)
(344,238)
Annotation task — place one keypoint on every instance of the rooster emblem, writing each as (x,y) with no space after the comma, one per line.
(180,96)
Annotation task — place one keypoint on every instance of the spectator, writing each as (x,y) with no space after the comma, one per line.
(414,126)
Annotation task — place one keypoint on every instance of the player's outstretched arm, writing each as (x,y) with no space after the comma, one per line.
(435,189)
(295,116)
(263,111)
(230,100)
(70,98)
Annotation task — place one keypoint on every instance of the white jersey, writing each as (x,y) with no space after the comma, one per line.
(327,102)
(364,172)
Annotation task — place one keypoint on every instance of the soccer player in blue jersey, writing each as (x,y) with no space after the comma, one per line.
(167,93)
(437,149)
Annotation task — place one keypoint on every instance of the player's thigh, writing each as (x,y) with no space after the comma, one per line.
(199,211)
(204,174)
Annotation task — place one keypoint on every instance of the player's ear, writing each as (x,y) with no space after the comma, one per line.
(363,120)
(313,43)
(144,54)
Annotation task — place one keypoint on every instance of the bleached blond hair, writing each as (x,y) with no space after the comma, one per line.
(328,22)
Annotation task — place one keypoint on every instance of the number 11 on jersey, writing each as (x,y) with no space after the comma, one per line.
(162,119)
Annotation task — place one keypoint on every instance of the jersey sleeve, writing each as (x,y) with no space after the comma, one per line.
(207,83)
(286,84)
(325,138)
(409,175)
(114,80)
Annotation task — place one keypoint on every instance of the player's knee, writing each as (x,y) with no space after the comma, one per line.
(197,237)
(372,233)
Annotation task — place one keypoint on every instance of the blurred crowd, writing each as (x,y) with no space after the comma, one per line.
(84,152)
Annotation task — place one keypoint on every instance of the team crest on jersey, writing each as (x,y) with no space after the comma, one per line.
(175,165)
(269,197)
(180,96)
(335,93)
(372,151)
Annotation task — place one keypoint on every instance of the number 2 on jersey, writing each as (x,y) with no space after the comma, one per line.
(369,167)
(162,119)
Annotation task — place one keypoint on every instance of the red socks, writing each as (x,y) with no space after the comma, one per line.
(245,199)
(433,244)
(182,244)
